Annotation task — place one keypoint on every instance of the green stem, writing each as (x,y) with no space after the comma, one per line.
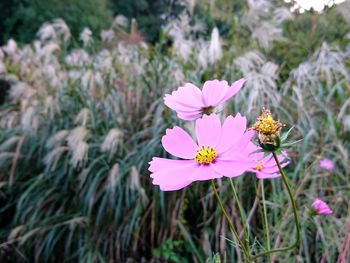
(240,210)
(266,223)
(229,221)
(295,213)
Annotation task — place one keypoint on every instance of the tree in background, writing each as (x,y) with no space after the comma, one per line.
(21,19)
(150,14)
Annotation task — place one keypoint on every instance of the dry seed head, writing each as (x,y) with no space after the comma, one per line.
(266,125)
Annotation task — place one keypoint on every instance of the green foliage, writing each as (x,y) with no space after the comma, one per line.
(22,18)
(106,209)
(150,14)
(169,251)
(305,34)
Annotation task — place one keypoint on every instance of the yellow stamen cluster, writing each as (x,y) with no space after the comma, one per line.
(205,155)
(266,125)
(259,167)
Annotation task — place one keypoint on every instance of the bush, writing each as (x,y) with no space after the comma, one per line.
(21,19)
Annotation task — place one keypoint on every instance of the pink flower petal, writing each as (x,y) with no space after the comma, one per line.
(231,132)
(269,167)
(235,87)
(213,92)
(208,130)
(176,176)
(327,164)
(239,150)
(189,116)
(188,95)
(321,207)
(159,164)
(262,175)
(231,168)
(252,151)
(177,105)
(205,172)
(325,211)
(178,143)
(174,187)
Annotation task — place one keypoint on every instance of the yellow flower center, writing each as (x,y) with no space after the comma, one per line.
(259,167)
(265,124)
(205,155)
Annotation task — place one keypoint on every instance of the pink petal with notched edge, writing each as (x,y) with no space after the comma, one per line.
(177,106)
(239,149)
(270,161)
(230,168)
(270,168)
(191,94)
(251,149)
(273,169)
(174,173)
(174,187)
(213,92)
(205,172)
(232,126)
(158,164)
(188,95)
(189,116)
(235,87)
(175,177)
(208,130)
(178,143)
(262,175)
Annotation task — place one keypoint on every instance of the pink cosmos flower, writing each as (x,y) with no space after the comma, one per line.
(265,167)
(190,103)
(321,208)
(327,164)
(219,151)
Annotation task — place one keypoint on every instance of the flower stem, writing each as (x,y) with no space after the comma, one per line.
(295,213)
(245,228)
(266,223)
(229,222)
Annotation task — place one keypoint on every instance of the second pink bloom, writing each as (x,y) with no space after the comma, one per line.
(190,103)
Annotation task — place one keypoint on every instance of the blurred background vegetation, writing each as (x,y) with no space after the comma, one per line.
(81,115)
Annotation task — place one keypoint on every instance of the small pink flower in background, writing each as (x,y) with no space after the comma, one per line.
(219,151)
(321,208)
(190,103)
(327,164)
(265,167)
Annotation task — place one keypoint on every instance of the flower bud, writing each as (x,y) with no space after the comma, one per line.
(320,208)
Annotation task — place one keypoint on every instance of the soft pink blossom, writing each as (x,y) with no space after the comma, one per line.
(327,164)
(228,141)
(190,103)
(265,167)
(321,208)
